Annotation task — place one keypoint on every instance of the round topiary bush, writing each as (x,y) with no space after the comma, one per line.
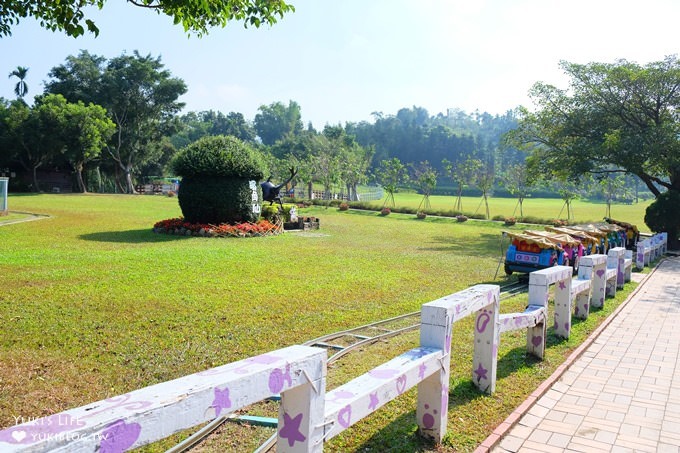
(219,181)
(664,215)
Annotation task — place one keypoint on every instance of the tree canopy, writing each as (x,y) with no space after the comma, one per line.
(620,117)
(139,94)
(196,16)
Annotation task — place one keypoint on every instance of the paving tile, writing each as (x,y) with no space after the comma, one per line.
(648,433)
(618,449)
(530,420)
(540,435)
(589,444)
(530,447)
(668,448)
(511,443)
(607,437)
(628,429)
(559,440)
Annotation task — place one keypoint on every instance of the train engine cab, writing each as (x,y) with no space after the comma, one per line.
(528,253)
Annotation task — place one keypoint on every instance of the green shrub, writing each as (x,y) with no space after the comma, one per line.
(215,200)
(664,215)
(219,156)
(219,176)
(271,212)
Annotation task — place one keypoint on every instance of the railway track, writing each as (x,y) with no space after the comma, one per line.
(339,344)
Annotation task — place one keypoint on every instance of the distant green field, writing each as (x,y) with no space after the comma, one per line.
(93,304)
(547,208)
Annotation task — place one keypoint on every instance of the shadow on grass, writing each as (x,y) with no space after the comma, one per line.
(515,360)
(399,436)
(131,236)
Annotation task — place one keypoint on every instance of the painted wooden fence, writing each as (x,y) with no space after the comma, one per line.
(297,373)
(650,249)
(308,414)
(572,295)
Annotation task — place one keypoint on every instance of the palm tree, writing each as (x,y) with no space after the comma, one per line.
(21,87)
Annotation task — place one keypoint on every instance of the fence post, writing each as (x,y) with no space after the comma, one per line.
(640,255)
(594,267)
(437,320)
(301,417)
(538,297)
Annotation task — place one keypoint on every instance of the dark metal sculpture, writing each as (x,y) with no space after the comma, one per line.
(270,192)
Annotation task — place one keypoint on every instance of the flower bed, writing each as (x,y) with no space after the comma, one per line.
(178,226)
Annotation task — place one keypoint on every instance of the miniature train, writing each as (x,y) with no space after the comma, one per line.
(532,250)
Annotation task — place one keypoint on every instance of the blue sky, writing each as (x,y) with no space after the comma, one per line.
(341,60)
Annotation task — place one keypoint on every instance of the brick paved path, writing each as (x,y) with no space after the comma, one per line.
(623,393)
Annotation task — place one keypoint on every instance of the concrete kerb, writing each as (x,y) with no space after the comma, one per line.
(32,216)
(495,438)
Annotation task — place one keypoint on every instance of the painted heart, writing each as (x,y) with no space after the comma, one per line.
(401,384)
(345,416)
(600,273)
(18,435)
(536,340)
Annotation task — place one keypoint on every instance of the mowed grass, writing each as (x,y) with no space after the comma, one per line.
(93,304)
(545,208)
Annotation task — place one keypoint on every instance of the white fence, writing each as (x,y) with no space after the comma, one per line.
(309,415)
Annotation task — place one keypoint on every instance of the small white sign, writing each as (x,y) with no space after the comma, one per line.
(252,185)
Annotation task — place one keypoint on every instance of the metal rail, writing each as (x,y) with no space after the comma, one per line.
(355,338)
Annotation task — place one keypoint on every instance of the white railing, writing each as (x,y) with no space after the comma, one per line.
(650,249)
(308,414)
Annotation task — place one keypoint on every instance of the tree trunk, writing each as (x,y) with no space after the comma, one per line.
(459,202)
(79,178)
(650,184)
(36,186)
(310,190)
(130,187)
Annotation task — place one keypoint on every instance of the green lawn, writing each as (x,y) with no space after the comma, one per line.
(93,304)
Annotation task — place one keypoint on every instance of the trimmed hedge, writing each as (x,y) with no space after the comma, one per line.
(216,200)
(219,175)
(219,156)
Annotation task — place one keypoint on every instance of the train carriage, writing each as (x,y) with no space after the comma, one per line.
(573,249)
(528,253)
(589,242)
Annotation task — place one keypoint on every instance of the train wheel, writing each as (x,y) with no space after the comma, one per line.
(507,269)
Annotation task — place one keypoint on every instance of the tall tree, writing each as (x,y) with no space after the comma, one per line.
(196,16)
(484,180)
(518,181)
(33,134)
(615,118)
(425,178)
(390,175)
(21,88)
(85,131)
(355,163)
(463,174)
(275,121)
(139,95)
